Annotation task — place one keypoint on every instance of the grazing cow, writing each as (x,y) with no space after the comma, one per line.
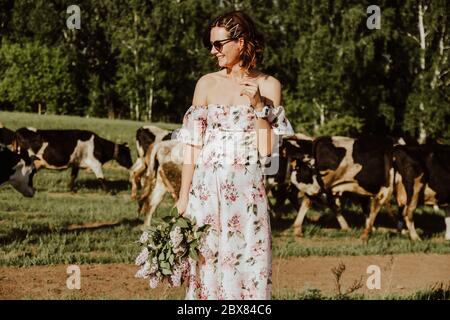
(163,175)
(60,149)
(17,170)
(422,177)
(6,135)
(279,185)
(339,165)
(145,138)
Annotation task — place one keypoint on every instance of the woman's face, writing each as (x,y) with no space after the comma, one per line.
(230,51)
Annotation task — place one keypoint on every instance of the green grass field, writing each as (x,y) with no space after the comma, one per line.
(92,226)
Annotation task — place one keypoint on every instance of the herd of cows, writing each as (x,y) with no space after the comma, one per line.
(330,168)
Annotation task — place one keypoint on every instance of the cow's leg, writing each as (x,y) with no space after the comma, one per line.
(408,212)
(340,218)
(169,184)
(293,196)
(144,204)
(375,205)
(96,167)
(394,215)
(400,222)
(156,197)
(306,204)
(447,223)
(73,177)
(135,176)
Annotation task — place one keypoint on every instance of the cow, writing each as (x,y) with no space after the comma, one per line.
(146,136)
(61,149)
(279,185)
(6,135)
(163,175)
(17,170)
(422,176)
(335,166)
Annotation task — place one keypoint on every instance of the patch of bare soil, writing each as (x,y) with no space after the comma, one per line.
(400,274)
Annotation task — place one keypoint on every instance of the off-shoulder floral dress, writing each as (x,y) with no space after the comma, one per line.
(228,193)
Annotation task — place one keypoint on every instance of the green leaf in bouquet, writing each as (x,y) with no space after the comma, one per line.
(182,223)
(171,258)
(203,228)
(168,219)
(193,244)
(165,265)
(193,254)
(166,272)
(161,256)
(174,212)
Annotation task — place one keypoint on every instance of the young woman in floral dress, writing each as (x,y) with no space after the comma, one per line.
(235,117)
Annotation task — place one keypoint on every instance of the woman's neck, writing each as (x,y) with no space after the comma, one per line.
(236,73)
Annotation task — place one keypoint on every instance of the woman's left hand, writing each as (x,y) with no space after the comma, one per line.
(251,90)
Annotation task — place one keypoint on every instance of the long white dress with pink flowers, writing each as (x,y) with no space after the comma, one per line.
(228,193)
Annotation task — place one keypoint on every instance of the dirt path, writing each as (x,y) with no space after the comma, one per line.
(400,274)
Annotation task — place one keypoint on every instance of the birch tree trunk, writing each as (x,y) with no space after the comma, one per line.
(422,43)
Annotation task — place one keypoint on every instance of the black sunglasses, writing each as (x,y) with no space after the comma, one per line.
(218,44)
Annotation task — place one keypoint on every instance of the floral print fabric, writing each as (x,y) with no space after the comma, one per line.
(228,193)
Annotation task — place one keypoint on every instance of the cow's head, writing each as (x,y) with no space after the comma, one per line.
(122,155)
(302,166)
(22,174)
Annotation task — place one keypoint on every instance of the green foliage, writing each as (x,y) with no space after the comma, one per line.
(141,59)
(343,126)
(35,75)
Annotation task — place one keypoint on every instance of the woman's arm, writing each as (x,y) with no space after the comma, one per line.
(191,152)
(271,90)
(190,155)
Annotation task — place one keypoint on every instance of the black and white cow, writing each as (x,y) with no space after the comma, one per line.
(336,166)
(146,136)
(422,176)
(279,185)
(17,170)
(61,149)
(6,135)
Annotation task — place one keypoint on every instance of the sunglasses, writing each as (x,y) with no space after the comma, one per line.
(218,44)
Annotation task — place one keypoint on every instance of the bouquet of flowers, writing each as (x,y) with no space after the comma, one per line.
(167,248)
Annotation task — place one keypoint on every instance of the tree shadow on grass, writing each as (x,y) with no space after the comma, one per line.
(430,224)
(114,186)
(17,234)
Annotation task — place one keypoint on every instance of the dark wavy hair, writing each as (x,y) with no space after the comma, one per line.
(240,25)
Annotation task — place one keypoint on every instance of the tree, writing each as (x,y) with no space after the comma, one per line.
(35,78)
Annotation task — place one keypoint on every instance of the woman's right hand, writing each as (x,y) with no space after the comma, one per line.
(182,205)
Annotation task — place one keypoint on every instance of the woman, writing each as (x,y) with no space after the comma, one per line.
(226,130)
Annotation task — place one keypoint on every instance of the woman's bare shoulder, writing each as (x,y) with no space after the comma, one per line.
(209,78)
(270,88)
(204,85)
(268,80)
